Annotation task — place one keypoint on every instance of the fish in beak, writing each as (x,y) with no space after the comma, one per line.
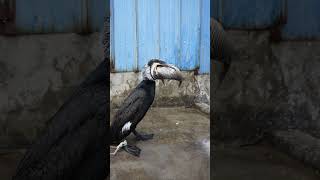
(164,71)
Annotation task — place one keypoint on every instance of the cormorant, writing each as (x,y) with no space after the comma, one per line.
(74,145)
(138,102)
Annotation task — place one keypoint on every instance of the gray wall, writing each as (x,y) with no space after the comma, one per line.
(269,86)
(37,73)
(194,89)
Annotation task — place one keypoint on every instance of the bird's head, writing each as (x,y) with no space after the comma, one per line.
(158,69)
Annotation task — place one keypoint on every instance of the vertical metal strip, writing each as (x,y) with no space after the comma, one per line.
(159,32)
(284,13)
(87,28)
(220,11)
(136,68)
(179,39)
(205,38)
(200,37)
(180,45)
(84,17)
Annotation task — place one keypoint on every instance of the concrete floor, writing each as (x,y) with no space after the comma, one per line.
(178,150)
(259,162)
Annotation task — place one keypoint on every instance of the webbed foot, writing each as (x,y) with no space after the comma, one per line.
(132,149)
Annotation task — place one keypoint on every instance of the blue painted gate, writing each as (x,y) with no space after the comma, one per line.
(177,31)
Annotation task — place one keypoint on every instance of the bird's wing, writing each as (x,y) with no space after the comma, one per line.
(68,136)
(132,109)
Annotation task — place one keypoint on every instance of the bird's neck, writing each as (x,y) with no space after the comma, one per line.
(148,85)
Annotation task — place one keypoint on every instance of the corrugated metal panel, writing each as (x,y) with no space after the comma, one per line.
(125,35)
(303,20)
(205,41)
(167,29)
(98,9)
(288,19)
(147,30)
(190,34)
(247,14)
(170,30)
(41,16)
(55,16)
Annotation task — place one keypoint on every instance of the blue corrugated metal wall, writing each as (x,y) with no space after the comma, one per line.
(247,14)
(174,30)
(300,19)
(303,20)
(297,19)
(46,16)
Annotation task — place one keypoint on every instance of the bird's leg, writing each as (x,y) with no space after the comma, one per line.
(142,137)
(122,144)
(132,149)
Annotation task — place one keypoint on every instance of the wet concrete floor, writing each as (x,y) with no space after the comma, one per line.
(259,162)
(178,150)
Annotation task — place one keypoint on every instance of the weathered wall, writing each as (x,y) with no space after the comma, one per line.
(300,67)
(269,86)
(37,73)
(195,88)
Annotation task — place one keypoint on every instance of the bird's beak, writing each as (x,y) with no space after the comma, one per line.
(168,71)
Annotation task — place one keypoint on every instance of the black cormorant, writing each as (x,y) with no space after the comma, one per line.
(75,143)
(139,101)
